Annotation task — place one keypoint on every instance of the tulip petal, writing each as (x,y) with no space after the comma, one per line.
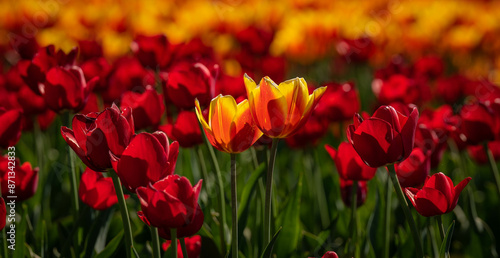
(297,96)
(221,115)
(390,115)
(371,141)
(442,183)
(458,189)
(430,202)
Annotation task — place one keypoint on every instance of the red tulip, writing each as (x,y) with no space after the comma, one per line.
(147,159)
(186,82)
(229,85)
(147,107)
(30,102)
(384,138)
(95,135)
(310,134)
(413,171)
(26,181)
(89,49)
(3,213)
(97,67)
(193,246)
(428,67)
(184,231)
(66,88)
(477,153)
(330,254)
(399,88)
(152,51)
(479,123)
(171,202)
(357,50)
(438,195)
(428,140)
(10,126)
(339,103)
(450,89)
(97,191)
(185,129)
(346,192)
(349,165)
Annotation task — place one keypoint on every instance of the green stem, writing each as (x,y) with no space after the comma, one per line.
(156,242)
(71,160)
(354,206)
(221,203)
(388,212)
(173,243)
(129,242)
(234,207)
(406,210)
(440,226)
(434,243)
(269,184)
(183,247)
(493,166)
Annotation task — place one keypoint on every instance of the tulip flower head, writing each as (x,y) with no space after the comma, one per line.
(26,180)
(147,159)
(349,165)
(10,126)
(96,134)
(438,195)
(193,246)
(414,170)
(230,127)
(3,213)
(281,110)
(97,191)
(171,202)
(384,138)
(185,231)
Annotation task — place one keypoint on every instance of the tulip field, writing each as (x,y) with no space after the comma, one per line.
(229,128)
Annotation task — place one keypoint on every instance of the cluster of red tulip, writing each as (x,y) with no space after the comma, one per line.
(184,82)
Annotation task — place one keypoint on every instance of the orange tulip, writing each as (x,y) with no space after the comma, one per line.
(230,127)
(280,110)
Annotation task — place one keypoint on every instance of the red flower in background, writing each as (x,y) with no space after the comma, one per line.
(95,135)
(89,49)
(193,246)
(26,181)
(147,159)
(152,51)
(346,192)
(357,50)
(185,129)
(400,88)
(184,231)
(438,195)
(478,123)
(428,140)
(170,203)
(229,85)
(310,134)
(477,153)
(413,171)
(428,67)
(451,89)
(384,138)
(147,107)
(186,82)
(66,88)
(349,165)
(97,67)
(339,102)
(10,127)
(97,191)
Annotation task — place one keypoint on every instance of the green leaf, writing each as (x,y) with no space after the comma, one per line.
(248,189)
(111,247)
(289,219)
(98,228)
(445,246)
(269,248)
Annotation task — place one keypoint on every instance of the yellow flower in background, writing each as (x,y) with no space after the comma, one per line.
(280,110)
(230,127)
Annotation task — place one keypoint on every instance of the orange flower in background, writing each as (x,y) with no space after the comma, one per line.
(230,127)
(280,110)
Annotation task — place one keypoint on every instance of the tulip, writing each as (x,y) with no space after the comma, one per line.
(97,191)
(414,170)
(399,88)
(151,51)
(384,138)
(147,159)
(184,231)
(438,195)
(428,67)
(193,246)
(186,82)
(339,103)
(230,127)
(330,254)
(281,110)
(346,192)
(89,49)
(479,155)
(96,134)
(66,88)
(26,178)
(10,126)
(349,165)
(184,130)
(3,214)
(310,134)
(147,107)
(231,85)
(170,202)
(479,123)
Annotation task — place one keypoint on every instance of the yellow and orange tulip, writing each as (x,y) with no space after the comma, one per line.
(230,126)
(280,110)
